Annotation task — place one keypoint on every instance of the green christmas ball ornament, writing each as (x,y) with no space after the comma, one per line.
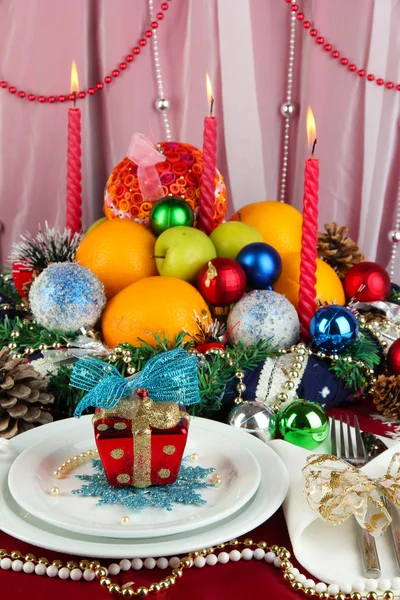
(170,212)
(304,424)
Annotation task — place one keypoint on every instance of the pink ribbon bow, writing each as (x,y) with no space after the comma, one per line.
(146,156)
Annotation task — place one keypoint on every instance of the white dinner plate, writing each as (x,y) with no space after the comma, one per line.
(33,470)
(268,498)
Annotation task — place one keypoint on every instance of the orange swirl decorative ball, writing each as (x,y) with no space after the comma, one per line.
(180,175)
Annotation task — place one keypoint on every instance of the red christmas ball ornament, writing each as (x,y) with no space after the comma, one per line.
(221,281)
(367,282)
(393,357)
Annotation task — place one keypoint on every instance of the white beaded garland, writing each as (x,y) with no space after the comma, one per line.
(295,571)
(345,588)
(321,587)
(358,585)
(5,563)
(125,564)
(333,589)
(259,554)
(223,558)
(211,560)
(17,565)
(63,573)
(40,569)
(384,584)
(199,561)
(396,583)
(114,569)
(300,578)
(137,564)
(149,563)
(247,554)
(235,555)
(76,574)
(270,557)
(309,583)
(88,575)
(174,562)
(162,563)
(52,571)
(277,562)
(28,567)
(371,585)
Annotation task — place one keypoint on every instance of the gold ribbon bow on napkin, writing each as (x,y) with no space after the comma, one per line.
(338,490)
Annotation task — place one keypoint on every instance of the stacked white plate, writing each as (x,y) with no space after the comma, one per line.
(254,485)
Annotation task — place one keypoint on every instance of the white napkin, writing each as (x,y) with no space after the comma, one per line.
(330,554)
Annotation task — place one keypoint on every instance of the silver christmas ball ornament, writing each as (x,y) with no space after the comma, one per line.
(288,109)
(394,236)
(162,104)
(255,418)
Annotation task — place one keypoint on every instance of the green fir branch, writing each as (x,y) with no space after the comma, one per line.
(7,288)
(27,333)
(394,296)
(364,349)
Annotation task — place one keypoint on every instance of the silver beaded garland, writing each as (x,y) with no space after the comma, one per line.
(162,103)
(288,108)
(394,237)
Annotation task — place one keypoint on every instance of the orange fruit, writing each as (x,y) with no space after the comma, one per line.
(162,305)
(119,252)
(279,223)
(329,287)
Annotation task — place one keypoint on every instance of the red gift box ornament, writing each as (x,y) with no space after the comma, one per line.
(140,440)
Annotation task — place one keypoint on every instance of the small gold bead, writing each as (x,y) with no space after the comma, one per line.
(288,576)
(127,593)
(105,582)
(177,572)
(388,595)
(296,585)
(43,561)
(325,595)
(297,365)
(310,591)
(57,474)
(164,585)
(372,596)
(142,591)
(84,564)
(171,580)
(155,587)
(100,572)
(286,565)
(340,596)
(282,396)
(356,596)
(131,370)
(16,554)
(248,542)
(114,589)
(234,542)
(91,453)
(293,374)
(112,357)
(4,553)
(55,491)
(275,549)
(28,557)
(57,563)
(186,562)
(262,545)
(195,554)
(194,457)
(275,407)
(284,554)
(288,385)
(94,564)
(125,520)
(204,552)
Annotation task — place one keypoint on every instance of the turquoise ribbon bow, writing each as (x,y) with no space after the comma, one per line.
(170,377)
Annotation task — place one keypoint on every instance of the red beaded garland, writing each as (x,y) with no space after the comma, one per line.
(99,86)
(335,54)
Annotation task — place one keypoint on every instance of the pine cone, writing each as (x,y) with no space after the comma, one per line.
(387,395)
(21,396)
(338,250)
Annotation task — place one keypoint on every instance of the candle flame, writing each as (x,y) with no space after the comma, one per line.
(74,78)
(311,129)
(210,96)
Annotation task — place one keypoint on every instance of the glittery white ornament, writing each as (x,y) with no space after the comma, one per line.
(66,296)
(264,315)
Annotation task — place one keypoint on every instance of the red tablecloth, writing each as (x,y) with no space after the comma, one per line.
(250,579)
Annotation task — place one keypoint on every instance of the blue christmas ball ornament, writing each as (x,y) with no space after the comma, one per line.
(262,264)
(66,297)
(333,328)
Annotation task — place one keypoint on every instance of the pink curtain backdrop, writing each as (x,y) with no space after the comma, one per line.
(244,46)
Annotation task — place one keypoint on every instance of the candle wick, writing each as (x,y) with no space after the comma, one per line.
(313,148)
(74,99)
(211,106)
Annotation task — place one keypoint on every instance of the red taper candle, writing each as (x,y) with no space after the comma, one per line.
(74,176)
(309,239)
(207,196)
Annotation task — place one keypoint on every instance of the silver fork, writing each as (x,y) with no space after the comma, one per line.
(356,456)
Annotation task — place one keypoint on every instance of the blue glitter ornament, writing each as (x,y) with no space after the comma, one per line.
(261,263)
(182,491)
(333,328)
(263,315)
(66,297)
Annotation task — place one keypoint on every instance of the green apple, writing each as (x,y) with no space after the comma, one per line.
(229,238)
(96,223)
(182,251)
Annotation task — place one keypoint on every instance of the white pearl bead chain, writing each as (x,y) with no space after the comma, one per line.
(288,109)
(394,237)
(382,588)
(162,103)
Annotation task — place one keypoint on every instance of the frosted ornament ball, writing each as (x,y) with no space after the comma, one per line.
(66,297)
(264,315)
